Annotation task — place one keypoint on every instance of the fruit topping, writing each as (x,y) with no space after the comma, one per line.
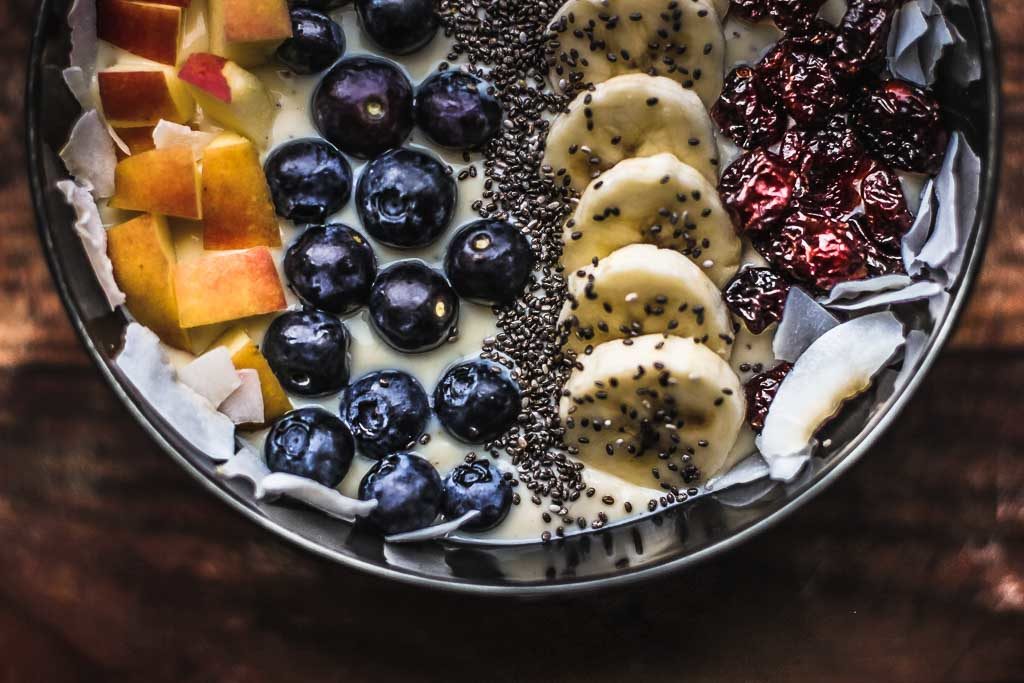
(747,111)
(901,125)
(757,296)
(387,412)
(457,109)
(830,162)
(412,307)
(479,486)
(880,260)
(309,180)
(761,390)
(238,212)
(758,189)
(816,250)
(862,35)
(229,95)
(308,351)
(788,15)
(312,443)
(477,401)
(408,492)
(406,198)
(489,262)
(245,31)
(885,207)
(317,42)
(398,26)
(804,80)
(331,267)
(364,106)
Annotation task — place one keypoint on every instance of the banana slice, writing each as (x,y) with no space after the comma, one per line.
(638,290)
(653,403)
(653,200)
(630,116)
(678,39)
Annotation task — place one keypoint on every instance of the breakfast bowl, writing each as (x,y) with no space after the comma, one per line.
(668,539)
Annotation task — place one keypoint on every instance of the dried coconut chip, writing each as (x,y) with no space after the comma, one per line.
(167,134)
(84,41)
(89,154)
(845,291)
(804,320)
(307,491)
(836,367)
(435,531)
(145,365)
(914,347)
(78,83)
(211,375)
(245,404)
(921,36)
(915,291)
(90,230)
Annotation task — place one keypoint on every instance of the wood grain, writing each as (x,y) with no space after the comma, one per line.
(117,566)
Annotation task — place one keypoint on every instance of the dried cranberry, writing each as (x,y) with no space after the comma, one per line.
(830,161)
(761,390)
(757,296)
(879,261)
(794,15)
(747,111)
(757,190)
(862,35)
(816,250)
(901,125)
(804,80)
(885,207)
(751,10)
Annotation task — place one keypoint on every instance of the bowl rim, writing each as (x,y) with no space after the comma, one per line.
(991,66)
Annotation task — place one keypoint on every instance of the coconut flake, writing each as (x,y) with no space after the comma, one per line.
(916,237)
(167,134)
(432,532)
(856,288)
(245,404)
(913,292)
(78,83)
(803,321)
(307,491)
(84,40)
(914,347)
(89,154)
(211,375)
(90,230)
(836,367)
(145,365)
(921,36)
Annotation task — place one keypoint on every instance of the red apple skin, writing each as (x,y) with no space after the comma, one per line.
(205,71)
(149,30)
(138,95)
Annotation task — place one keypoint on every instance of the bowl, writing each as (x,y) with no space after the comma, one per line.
(632,551)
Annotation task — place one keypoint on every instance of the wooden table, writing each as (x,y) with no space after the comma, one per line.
(116,565)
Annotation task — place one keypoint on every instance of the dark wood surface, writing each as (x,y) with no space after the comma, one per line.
(114,565)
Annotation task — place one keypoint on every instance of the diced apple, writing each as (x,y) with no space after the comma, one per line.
(139,140)
(245,355)
(248,31)
(146,29)
(237,209)
(163,181)
(143,258)
(224,287)
(230,95)
(136,96)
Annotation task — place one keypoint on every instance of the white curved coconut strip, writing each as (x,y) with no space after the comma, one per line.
(307,491)
(84,41)
(921,36)
(245,404)
(168,134)
(90,230)
(748,470)
(838,366)
(245,464)
(917,236)
(89,154)
(913,348)
(435,531)
(145,365)
(803,321)
(211,375)
(852,290)
(78,83)
(913,292)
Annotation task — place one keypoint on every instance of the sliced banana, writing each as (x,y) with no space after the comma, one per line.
(653,200)
(678,39)
(641,289)
(635,115)
(653,403)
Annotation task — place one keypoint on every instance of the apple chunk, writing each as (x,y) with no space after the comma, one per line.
(146,29)
(237,210)
(245,355)
(142,254)
(224,287)
(163,181)
(140,96)
(248,31)
(230,95)
(138,140)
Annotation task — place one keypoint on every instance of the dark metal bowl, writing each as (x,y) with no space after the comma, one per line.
(626,553)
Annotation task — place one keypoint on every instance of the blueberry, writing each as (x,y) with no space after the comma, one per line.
(317,42)
(311,443)
(387,412)
(407,489)
(405,198)
(457,109)
(477,401)
(398,26)
(489,262)
(364,106)
(413,307)
(331,267)
(308,351)
(480,486)
(309,180)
